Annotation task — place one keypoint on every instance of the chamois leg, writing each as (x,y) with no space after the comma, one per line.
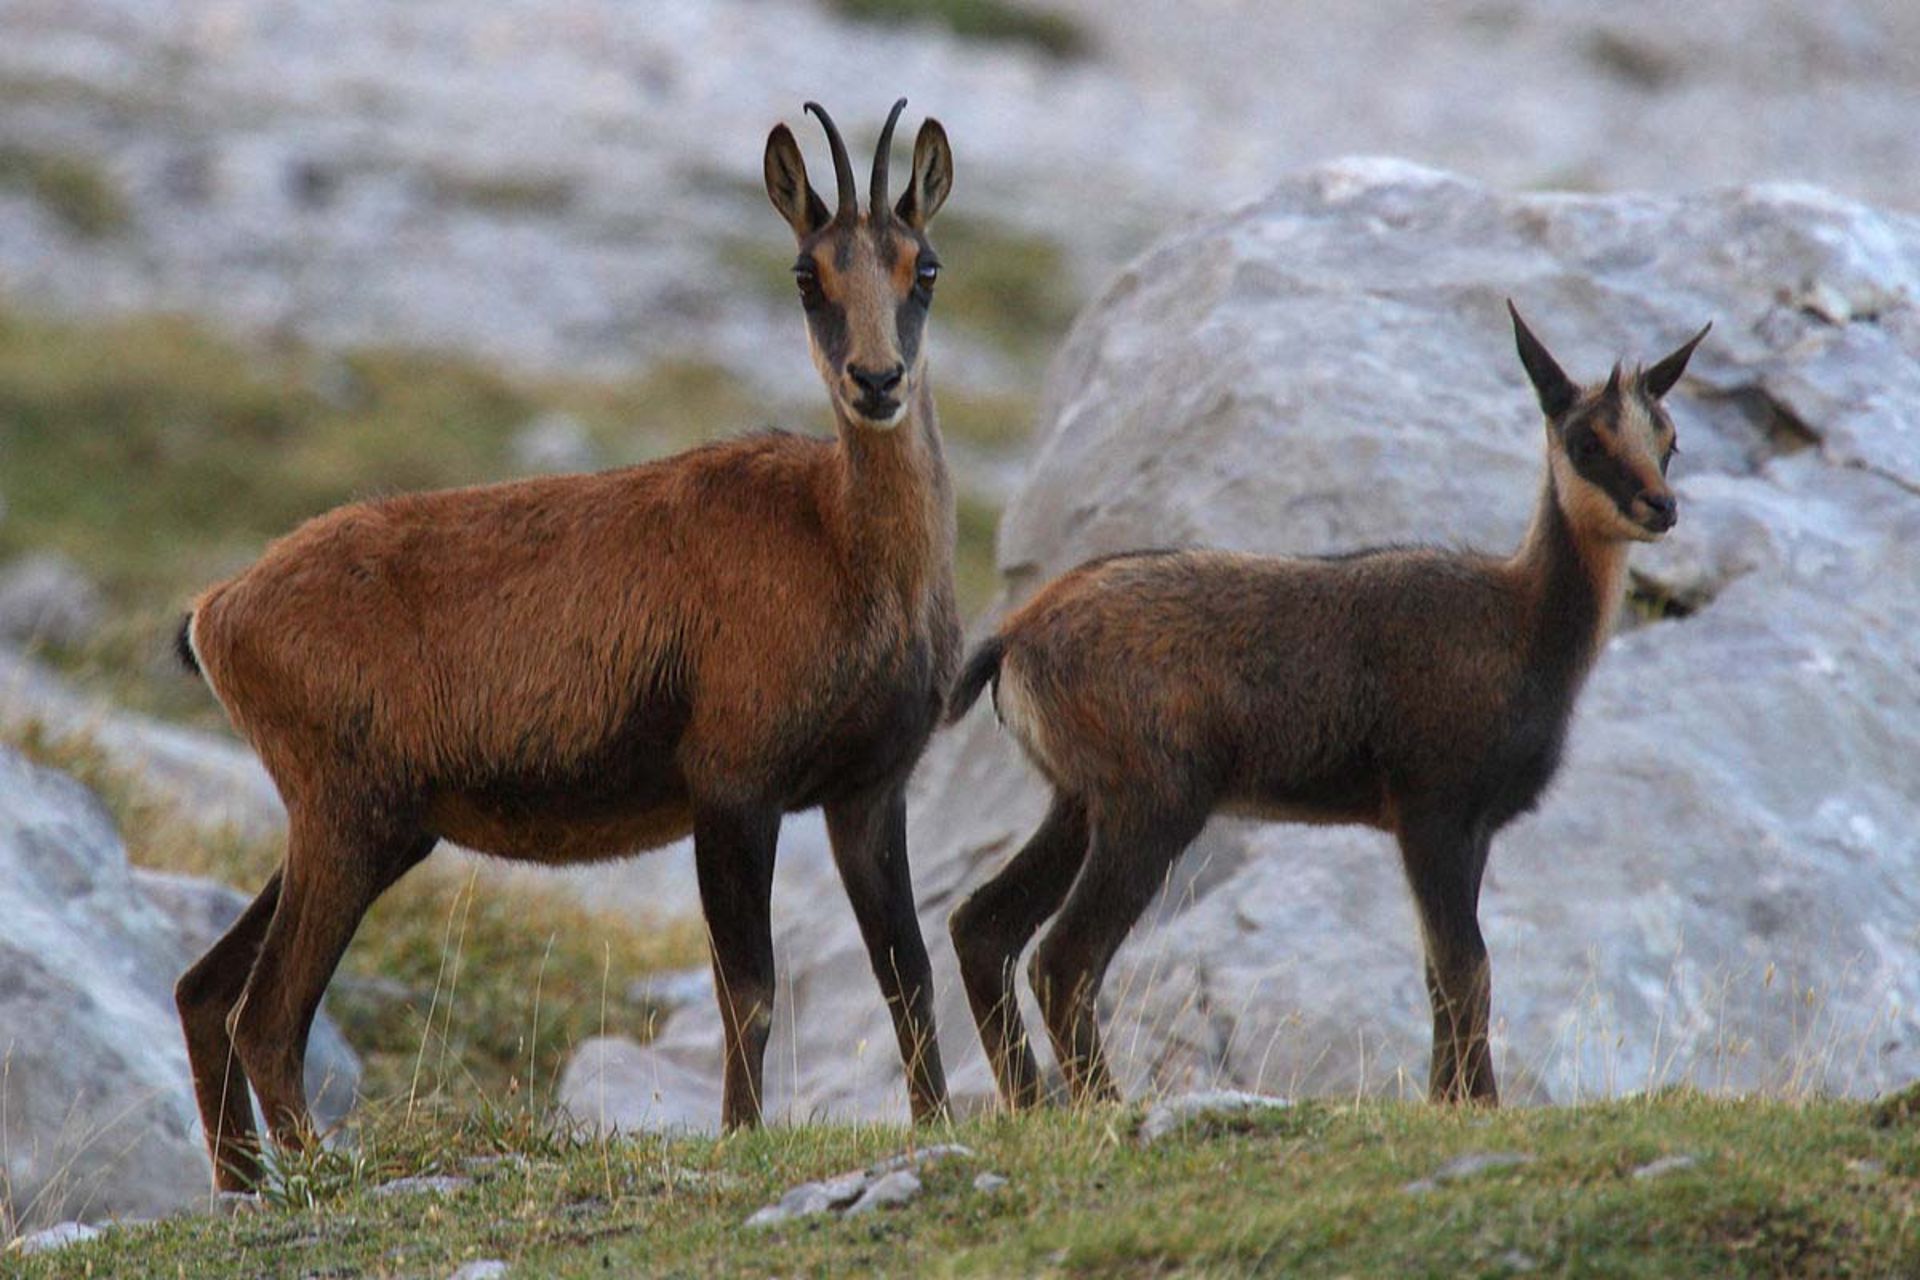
(733,851)
(333,873)
(993,926)
(1127,862)
(1445,859)
(205,996)
(869,836)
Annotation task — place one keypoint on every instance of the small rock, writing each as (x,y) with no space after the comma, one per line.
(555,441)
(989,1182)
(811,1198)
(490,1164)
(1171,1114)
(438,1184)
(57,1237)
(1664,1165)
(1466,1166)
(889,1191)
(1515,1261)
(484,1269)
(1866,1169)
(45,596)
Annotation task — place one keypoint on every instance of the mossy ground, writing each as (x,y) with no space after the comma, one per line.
(1776,1188)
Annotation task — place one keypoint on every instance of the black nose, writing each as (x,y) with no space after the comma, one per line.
(877,383)
(1665,509)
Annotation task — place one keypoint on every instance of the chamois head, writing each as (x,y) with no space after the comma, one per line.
(1608,446)
(866,282)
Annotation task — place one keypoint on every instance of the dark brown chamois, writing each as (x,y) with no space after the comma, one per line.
(575,668)
(1421,691)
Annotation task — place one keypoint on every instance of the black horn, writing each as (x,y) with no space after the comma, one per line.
(842,167)
(877,204)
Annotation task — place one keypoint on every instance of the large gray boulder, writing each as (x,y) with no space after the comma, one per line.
(1724,886)
(99,1118)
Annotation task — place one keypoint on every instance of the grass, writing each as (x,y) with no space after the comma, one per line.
(1051,33)
(1777,1188)
(78,193)
(161,458)
(454,994)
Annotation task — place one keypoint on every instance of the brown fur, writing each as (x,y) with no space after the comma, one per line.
(574,668)
(1419,691)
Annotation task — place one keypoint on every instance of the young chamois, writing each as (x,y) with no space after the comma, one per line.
(1421,691)
(575,668)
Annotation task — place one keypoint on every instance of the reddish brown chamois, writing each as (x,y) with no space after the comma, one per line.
(573,668)
(1421,691)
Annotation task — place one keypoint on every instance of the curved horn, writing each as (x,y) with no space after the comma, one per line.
(877,193)
(842,167)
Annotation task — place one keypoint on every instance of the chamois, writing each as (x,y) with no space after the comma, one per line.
(573,668)
(1421,691)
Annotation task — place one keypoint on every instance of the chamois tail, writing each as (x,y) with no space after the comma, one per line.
(183,646)
(982,669)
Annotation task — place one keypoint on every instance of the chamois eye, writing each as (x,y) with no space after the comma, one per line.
(809,281)
(927,274)
(1587,448)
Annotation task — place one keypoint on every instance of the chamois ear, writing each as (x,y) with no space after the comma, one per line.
(787,185)
(932,177)
(1664,376)
(1556,391)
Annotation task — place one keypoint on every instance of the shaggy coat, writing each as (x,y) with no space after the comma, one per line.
(1419,691)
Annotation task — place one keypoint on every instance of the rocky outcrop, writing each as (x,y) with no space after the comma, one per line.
(1724,886)
(99,1118)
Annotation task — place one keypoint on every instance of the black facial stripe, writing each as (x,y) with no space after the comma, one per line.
(1599,467)
(910,322)
(828,323)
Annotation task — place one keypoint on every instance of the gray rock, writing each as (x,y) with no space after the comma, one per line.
(988,1183)
(1470,1165)
(1199,1108)
(100,1120)
(426,1184)
(1664,1165)
(47,598)
(57,1237)
(810,1199)
(483,1269)
(612,1084)
(1730,843)
(893,1190)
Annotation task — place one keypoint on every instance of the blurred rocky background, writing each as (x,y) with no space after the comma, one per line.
(258,259)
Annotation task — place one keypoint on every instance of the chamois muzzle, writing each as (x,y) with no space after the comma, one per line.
(1662,512)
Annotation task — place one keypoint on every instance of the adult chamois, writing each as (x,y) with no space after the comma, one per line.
(1425,692)
(574,668)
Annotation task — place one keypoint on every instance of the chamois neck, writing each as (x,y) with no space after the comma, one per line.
(1573,582)
(895,513)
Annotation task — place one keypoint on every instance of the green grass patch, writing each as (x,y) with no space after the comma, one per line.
(1051,33)
(454,993)
(1776,1188)
(75,190)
